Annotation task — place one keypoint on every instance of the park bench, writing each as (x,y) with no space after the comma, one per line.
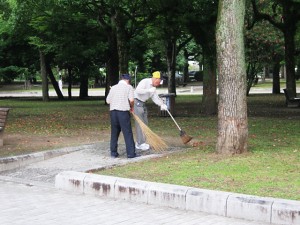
(291,102)
(3,117)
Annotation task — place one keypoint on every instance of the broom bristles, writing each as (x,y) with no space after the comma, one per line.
(153,139)
(184,137)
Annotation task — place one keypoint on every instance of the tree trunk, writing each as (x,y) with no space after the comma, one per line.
(84,84)
(186,67)
(45,88)
(53,81)
(209,100)
(232,107)
(112,63)
(289,36)
(123,46)
(276,77)
(171,62)
(266,73)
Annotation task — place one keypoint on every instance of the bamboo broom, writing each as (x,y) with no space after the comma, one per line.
(153,139)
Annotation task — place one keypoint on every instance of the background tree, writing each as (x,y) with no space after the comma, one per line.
(17,57)
(201,22)
(284,15)
(232,108)
(120,21)
(264,47)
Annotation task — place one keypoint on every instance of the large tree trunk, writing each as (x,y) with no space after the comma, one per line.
(232,108)
(45,88)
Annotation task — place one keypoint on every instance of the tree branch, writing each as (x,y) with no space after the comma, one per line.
(263,16)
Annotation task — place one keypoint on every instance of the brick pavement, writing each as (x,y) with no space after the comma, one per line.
(28,196)
(24,204)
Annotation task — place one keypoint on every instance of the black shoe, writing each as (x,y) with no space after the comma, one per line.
(114,155)
(134,156)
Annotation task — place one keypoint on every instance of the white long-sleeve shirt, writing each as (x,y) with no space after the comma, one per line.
(142,92)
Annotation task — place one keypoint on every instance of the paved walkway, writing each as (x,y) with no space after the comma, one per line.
(38,205)
(191,89)
(28,197)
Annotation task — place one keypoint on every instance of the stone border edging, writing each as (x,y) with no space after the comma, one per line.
(15,162)
(270,210)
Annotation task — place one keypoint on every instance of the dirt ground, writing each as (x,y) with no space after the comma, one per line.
(16,144)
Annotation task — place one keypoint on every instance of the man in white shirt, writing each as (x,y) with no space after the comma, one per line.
(121,102)
(146,89)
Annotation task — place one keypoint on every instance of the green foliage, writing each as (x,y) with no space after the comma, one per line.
(264,43)
(7,74)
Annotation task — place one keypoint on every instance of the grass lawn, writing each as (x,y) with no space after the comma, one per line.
(270,168)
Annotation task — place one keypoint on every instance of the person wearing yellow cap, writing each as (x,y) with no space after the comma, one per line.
(146,89)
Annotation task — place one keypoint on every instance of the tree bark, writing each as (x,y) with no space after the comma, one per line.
(45,88)
(171,62)
(122,43)
(209,100)
(276,77)
(186,67)
(232,107)
(112,63)
(205,36)
(84,80)
(289,42)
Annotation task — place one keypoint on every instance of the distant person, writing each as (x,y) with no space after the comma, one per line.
(121,101)
(146,89)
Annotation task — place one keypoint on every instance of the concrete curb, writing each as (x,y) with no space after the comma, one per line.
(15,162)
(271,210)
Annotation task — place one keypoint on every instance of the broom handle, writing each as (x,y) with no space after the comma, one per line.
(173,119)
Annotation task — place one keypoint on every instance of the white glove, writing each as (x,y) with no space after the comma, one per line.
(151,90)
(164,107)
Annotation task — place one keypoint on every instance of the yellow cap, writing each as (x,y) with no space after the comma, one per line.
(156,74)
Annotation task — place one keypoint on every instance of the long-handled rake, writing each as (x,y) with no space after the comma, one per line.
(184,137)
